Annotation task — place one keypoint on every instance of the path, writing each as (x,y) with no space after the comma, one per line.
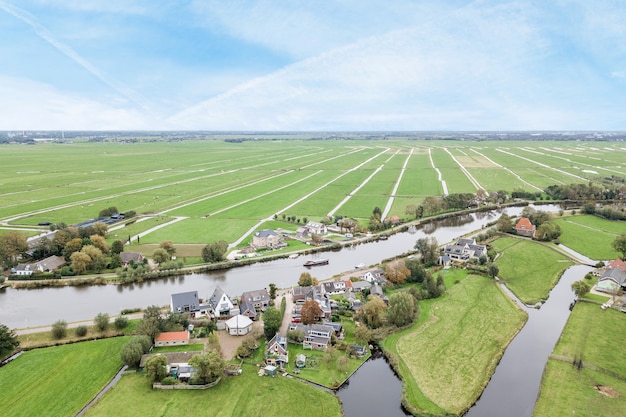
(439,177)
(160,226)
(465,171)
(508,170)
(542,165)
(74,324)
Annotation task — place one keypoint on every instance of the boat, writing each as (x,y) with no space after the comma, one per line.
(359,266)
(293,256)
(315,262)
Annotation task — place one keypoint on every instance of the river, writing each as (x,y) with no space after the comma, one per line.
(43,306)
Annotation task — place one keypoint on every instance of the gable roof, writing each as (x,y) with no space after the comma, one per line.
(50,263)
(170,336)
(182,299)
(238,322)
(265,233)
(524,224)
(131,256)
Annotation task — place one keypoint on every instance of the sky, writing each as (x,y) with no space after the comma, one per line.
(320,65)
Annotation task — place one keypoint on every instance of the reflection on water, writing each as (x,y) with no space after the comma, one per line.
(373,390)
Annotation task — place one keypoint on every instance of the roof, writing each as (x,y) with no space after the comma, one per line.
(169,336)
(524,224)
(238,322)
(256,296)
(265,233)
(50,263)
(189,298)
(131,256)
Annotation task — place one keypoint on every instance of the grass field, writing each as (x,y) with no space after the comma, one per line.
(241,396)
(530,269)
(598,336)
(591,235)
(447,357)
(243,183)
(58,381)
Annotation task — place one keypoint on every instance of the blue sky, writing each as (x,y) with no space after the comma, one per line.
(313,65)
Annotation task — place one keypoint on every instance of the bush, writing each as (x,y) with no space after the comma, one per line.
(130,311)
(102,322)
(81,331)
(120,322)
(169,380)
(59,329)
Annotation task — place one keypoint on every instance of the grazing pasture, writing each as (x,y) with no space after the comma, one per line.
(223,189)
(591,235)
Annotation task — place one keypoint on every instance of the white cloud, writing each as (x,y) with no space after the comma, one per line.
(30,105)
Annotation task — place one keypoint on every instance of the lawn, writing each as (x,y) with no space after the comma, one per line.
(599,337)
(58,381)
(590,235)
(530,269)
(246,395)
(179,348)
(447,357)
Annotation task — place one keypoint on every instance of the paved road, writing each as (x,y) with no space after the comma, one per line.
(73,324)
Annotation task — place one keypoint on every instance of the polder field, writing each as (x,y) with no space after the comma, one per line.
(204,190)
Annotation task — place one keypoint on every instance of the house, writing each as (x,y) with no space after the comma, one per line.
(188,302)
(128,257)
(378,291)
(302,232)
(238,325)
(445,261)
(465,249)
(276,352)
(221,304)
(172,338)
(260,299)
(525,228)
(316,336)
(357,350)
(23,269)
(266,238)
(246,308)
(613,278)
(303,293)
(372,276)
(333,287)
(361,286)
(316,228)
(49,264)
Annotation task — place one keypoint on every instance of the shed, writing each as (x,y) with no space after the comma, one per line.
(270,370)
(238,325)
(300,361)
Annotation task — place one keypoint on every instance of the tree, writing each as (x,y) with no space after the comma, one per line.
(306,280)
(416,269)
(580,288)
(317,239)
(160,256)
(363,334)
(373,311)
(98,260)
(168,246)
(72,246)
(428,249)
(80,262)
(493,270)
(619,244)
(59,329)
(272,319)
(117,247)
(396,272)
(156,368)
(311,312)
(214,252)
(131,353)
(8,341)
(108,212)
(12,245)
(209,366)
(273,290)
(152,323)
(100,228)
(100,243)
(102,322)
(401,309)
(504,224)
(343,363)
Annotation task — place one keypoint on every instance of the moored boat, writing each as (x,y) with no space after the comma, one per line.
(315,262)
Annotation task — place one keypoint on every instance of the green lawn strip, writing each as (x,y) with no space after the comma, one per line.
(179,348)
(597,297)
(530,269)
(598,336)
(566,391)
(595,222)
(448,356)
(58,381)
(595,244)
(361,206)
(241,396)
(201,230)
(496,178)
(419,177)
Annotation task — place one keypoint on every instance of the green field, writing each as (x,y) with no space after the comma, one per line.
(224,188)
(530,269)
(591,235)
(598,336)
(241,396)
(58,381)
(447,357)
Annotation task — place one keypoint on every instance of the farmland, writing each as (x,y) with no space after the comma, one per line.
(220,190)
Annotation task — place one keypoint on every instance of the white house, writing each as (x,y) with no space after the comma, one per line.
(238,325)
(221,304)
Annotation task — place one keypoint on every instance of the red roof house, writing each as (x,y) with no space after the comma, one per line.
(525,228)
(172,338)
